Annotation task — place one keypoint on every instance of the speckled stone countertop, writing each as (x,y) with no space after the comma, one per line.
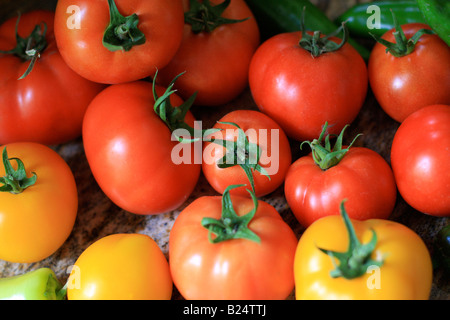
(99,217)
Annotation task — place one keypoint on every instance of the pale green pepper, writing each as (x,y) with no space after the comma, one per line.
(40,284)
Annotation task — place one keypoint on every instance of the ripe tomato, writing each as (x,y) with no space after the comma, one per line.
(361,176)
(80,27)
(420,156)
(36,221)
(301,92)
(129,150)
(262,131)
(393,263)
(46,106)
(128,266)
(235,268)
(405,84)
(216,61)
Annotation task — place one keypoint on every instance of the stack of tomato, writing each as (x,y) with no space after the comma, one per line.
(122,75)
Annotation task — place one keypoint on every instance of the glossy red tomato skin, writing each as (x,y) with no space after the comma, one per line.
(419,157)
(48,105)
(161,22)
(263,131)
(237,269)
(301,92)
(129,150)
(216,63)
(362,177)
(404,85)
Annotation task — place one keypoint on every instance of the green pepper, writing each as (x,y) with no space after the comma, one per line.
(40,284)
(357,17)
(278,16)
(437,15)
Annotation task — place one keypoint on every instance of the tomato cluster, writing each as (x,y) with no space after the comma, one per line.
(123,75)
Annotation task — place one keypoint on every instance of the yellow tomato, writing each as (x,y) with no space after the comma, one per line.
(121,267)
(397,266)
(37,219)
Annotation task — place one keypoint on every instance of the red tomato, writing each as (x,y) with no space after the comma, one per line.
(405,84)
(36,221)
(267,135)
(235,268)
(362,177)
(420,156)
(129,150)
(216,62)
(301,92)
(80,26)
(48,105)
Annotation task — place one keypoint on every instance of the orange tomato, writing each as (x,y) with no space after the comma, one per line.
(37,221)
(238,267)
(399,266)
(121,267)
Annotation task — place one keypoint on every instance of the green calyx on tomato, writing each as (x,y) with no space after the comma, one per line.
(174,117)
(326,156)
(203,17)
(316,44)
(354,262)
(122,32)
(230,225)
(242,153)
(29,48)
(402,46)
(15,181)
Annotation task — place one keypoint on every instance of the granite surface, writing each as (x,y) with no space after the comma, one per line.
(98,216)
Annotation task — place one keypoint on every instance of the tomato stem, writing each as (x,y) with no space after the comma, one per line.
(402,46)
(122,32)
(173,117)
(241,152)
(357,259)
(29,48)
(230,225)
(318,45)
(15,181)
(203,17)
(326,156)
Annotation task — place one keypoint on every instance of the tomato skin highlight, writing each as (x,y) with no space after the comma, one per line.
(406,273)
(264,128)
(419,157)
(161,22)
(237,269)
(300,92)
(217,62)
(128,266)
(362,177)
(35,223)
(419,79)
(129,150)
(48,105)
